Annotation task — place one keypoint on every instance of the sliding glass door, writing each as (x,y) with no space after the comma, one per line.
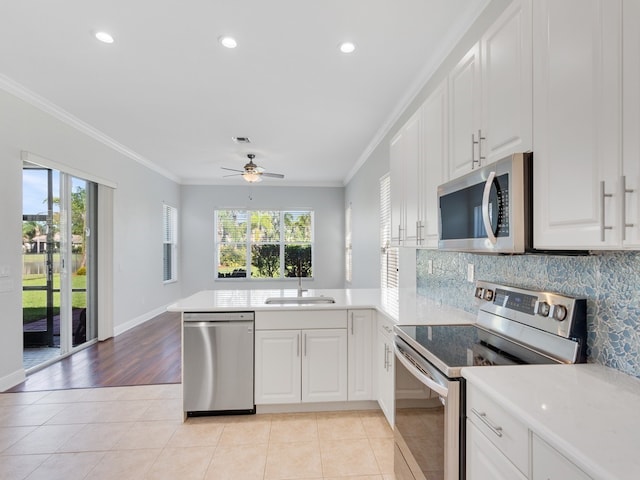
(59,258)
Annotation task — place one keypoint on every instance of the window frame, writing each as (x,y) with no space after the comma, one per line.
(169,238)
(249,243)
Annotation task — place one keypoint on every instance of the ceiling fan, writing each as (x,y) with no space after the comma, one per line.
(252,173)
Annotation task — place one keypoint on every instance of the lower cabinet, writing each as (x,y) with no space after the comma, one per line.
(385,367)
(294,366)
(485,461)
(549,464)
(360,346)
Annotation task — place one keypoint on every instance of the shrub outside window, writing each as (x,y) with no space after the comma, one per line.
(264,244)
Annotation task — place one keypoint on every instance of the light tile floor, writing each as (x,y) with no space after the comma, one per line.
(138,433)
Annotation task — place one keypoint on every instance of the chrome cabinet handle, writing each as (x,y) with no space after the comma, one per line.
(603,225)
(483,417)
(386,357)
(351,323)
(419,230)
(475,142)
(625,190)
(485,208)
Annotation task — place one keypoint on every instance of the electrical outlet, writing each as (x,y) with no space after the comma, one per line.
(470,272)
(430,267)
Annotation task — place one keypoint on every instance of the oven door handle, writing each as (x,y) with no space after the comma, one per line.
(485,208)
(425,378)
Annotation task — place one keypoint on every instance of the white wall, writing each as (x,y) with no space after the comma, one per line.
(362,190)
(138,289)
(197,232)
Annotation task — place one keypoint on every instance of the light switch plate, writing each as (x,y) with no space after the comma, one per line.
(470,272)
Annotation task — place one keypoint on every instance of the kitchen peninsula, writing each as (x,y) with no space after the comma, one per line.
(323,356)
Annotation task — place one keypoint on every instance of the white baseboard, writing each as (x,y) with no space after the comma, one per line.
(12,379)
(118,329)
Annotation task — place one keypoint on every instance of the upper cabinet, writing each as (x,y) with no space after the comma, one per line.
(490,94)
(578,165)
(405,156)
(630,187)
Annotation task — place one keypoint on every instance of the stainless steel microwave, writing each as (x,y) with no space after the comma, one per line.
(489,209)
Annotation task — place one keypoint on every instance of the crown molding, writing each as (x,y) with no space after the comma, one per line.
(14,88)
(449,43)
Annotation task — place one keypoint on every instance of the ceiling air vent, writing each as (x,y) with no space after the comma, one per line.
(241,139)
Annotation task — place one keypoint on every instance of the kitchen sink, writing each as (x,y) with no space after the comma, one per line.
(299,300)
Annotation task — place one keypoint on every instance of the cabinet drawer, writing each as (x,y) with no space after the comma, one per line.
(301,319)
(549,464)
(502,429)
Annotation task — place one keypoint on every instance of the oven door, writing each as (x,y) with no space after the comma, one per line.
(427,419)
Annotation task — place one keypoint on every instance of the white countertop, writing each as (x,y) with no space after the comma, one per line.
(590,413)
(401,306)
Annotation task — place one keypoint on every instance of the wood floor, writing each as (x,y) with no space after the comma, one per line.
(145,355)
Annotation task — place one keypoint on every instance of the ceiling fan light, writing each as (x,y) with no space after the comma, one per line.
(252,177)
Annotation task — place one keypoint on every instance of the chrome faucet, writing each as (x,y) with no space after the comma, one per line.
(300,289)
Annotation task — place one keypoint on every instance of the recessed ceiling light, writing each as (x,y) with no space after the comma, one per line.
(104,37)
(228,42)
(347,47)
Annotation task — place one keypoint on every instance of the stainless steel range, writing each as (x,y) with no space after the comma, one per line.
(514,326)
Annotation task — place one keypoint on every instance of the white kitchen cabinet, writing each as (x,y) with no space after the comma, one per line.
(294,366)
(385,368)
(485,461)
(577,123)
(490,94)
(278,366)
(433,165)
(360,353)
(405,154)
(549,464)
(464,113)
(630,199)
(301,356)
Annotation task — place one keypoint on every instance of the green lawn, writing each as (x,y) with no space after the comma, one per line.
(34,301)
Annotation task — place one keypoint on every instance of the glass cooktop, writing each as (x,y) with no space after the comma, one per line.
(451,347)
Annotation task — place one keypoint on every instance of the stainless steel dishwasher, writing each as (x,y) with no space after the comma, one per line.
(217,363)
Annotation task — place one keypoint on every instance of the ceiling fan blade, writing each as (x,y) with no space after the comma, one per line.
(232,169)
(232,175)
(272,175)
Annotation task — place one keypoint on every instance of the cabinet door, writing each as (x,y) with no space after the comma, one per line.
(507,91)
(576,123)
(324,365)
(396,175)
(630,200)
(385,375)
(434,163)
(412,132)
(277,366)
(549,464)
(485,461)
(360,352)
(464,113)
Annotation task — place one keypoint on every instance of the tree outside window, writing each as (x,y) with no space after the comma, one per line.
(264,244)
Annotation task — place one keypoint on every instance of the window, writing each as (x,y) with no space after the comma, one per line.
(264,244)
(388,255)
(169,243)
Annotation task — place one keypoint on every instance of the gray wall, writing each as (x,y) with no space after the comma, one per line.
(138,290)
(198,235)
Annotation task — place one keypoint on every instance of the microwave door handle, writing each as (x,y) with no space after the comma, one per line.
(485,208)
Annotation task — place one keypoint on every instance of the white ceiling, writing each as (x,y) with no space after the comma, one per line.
(168,92)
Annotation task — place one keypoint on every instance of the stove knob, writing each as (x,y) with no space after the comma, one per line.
(488,295)
(543,308)
(559,312)
(479,292)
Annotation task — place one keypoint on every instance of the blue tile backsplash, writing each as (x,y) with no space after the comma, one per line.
(610,281)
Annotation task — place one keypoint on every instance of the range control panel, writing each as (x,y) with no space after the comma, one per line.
(551,312)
